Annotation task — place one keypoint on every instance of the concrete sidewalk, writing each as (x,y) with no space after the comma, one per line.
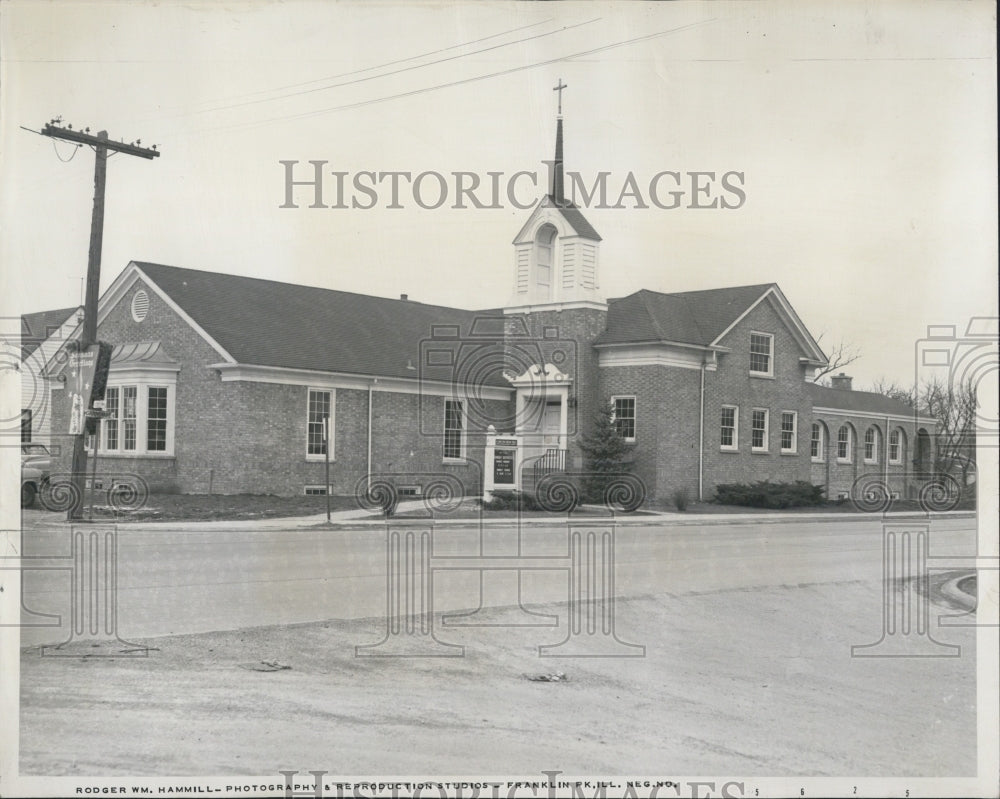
(356,518)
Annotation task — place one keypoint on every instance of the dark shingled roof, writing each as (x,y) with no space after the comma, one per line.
(574,216)
(268,323)
(690,317)
(36,327)
(861,401)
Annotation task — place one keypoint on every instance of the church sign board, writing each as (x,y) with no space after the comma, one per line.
(504,458)
(502,461)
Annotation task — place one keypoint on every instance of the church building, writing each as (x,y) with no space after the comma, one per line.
(227,384)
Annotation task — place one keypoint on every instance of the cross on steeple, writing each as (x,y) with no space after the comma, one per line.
(559,88)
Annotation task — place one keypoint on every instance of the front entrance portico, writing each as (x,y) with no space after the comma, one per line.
(541,396)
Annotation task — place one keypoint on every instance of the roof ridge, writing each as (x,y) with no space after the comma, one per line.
(694,317)
(142,264)
(706,291)
(651,315)
(66,311)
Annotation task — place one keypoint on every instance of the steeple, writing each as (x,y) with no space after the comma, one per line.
(556,193)
(556,251)
(557,168)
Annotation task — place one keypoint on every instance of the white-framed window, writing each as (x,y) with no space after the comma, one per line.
(320,424)
(816,443)
(729,428)
(140,419)
(789,431)
(761,354)
(454,430)
(623,415)
(845,444)
(758,430)
(897,446)
(871,445)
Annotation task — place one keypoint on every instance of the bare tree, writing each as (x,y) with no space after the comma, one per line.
(840,355)
(953,406)
(898,391)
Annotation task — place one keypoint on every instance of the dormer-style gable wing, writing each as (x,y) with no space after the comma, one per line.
(699,319)
(811,353)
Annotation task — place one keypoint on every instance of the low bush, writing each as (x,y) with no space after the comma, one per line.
(680,497)
(765,494)
(511,500)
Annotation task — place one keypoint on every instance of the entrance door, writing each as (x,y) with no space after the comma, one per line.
(551,425)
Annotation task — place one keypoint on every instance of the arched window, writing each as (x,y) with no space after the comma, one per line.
(922,456)
(545,260)
(897,446)
(871,445)
(844,443)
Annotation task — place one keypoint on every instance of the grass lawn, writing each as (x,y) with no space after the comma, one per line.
(220,507)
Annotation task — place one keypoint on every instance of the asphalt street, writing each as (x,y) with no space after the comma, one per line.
(173,580)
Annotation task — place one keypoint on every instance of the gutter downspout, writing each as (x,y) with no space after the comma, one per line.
(369,471)
(701,437)
(885,457)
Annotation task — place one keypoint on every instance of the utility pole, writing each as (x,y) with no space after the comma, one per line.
(101,144)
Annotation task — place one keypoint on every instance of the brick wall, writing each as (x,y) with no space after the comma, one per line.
(732,384)
(571,332)
(838,475)
(665,453)
(250,437)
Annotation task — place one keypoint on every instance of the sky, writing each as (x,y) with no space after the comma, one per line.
(865,135)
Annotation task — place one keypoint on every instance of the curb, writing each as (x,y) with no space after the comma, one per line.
(951,590)
(319,522)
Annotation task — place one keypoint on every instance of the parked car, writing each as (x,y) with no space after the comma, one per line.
(36,463)
(33,480)
(36,455)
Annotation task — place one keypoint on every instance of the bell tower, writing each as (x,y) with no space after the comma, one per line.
(556,251)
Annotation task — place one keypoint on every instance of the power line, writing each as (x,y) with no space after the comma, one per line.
(450,84)
(383,65)
(387,74)
(76,149)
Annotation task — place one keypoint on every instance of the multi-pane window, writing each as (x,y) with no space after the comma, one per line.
(454,429)
(156,419)
(729,428)
(844,443)
(788,431)
(761,353)
(26,425)
(129,396)
(138,420)
(816,442)
(758,429)
(111,422)
(871,445)
(319,412)
(624,416)
(895,447)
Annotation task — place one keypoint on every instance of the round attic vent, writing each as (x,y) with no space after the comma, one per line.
(140,305)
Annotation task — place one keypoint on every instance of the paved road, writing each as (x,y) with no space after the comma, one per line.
(181,581)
